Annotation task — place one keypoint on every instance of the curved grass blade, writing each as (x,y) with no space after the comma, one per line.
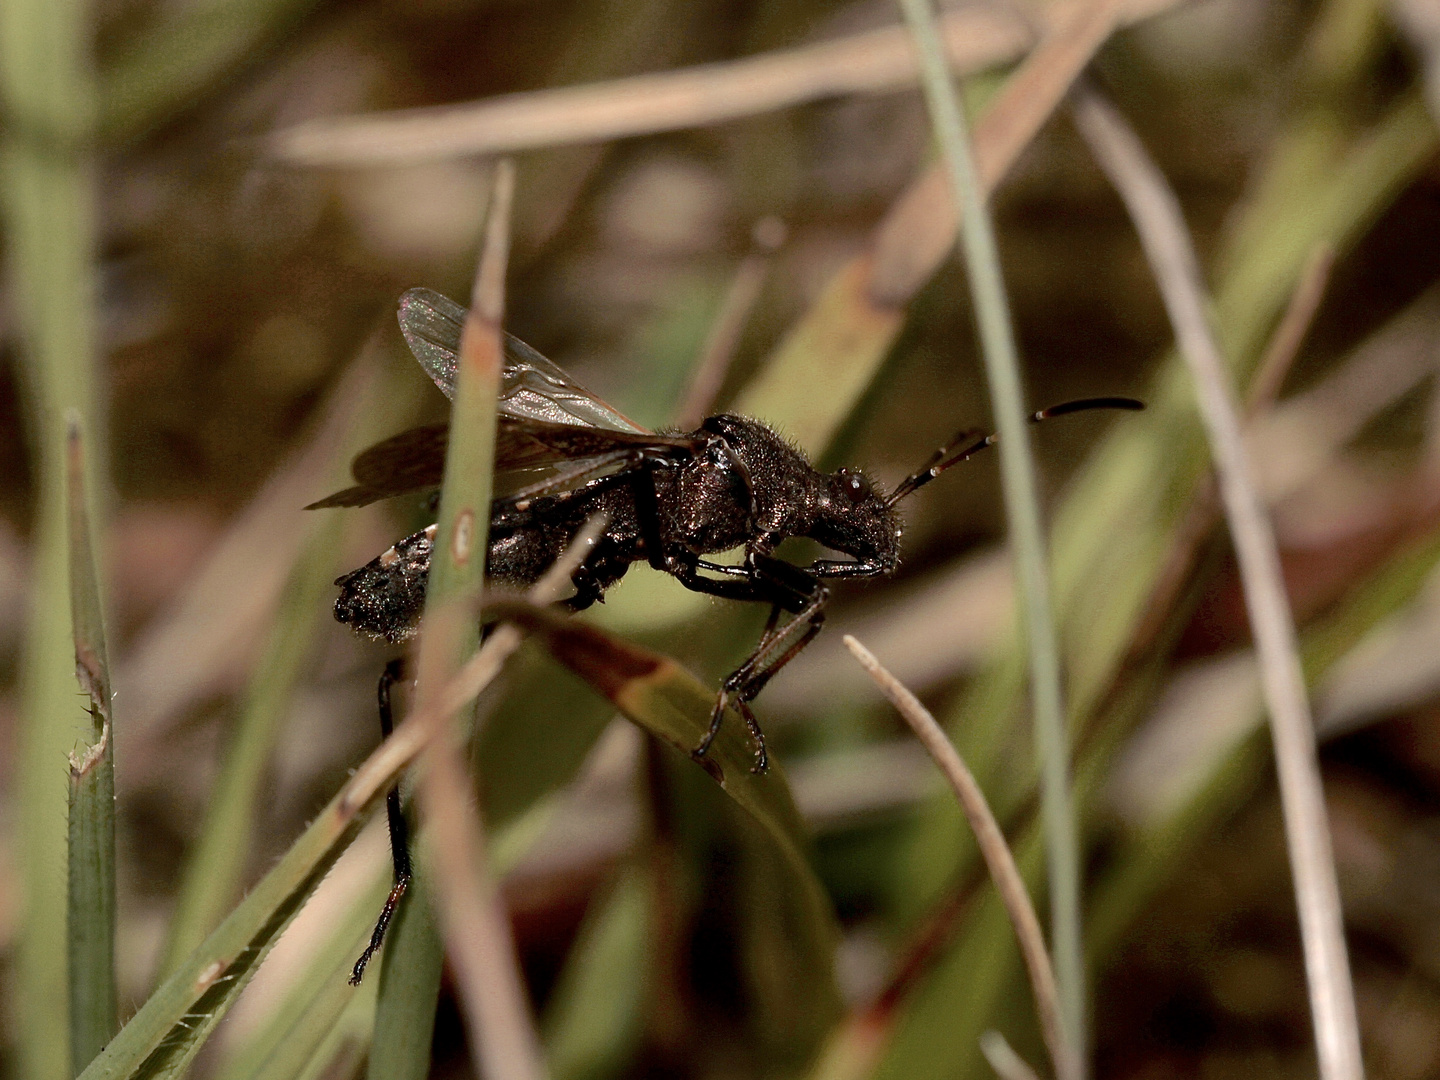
(90,930)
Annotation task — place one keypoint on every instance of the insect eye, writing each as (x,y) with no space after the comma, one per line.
(855,487)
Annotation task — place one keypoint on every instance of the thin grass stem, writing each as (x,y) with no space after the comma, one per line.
(1022,508)
(996,852)
(1284,347)
(1163,233)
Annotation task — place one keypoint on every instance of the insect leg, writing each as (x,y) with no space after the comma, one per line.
(399,832)
(787,588)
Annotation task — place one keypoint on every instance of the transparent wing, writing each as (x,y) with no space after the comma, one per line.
(531,386)
(414,460)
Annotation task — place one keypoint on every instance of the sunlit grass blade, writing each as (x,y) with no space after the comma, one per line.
(47,197)
(90,934)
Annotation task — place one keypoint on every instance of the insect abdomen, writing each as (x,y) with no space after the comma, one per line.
(385,597)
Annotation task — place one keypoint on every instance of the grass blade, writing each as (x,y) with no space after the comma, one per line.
(1161,225)
(843,338)
(1022,512)
(309,1010)
(163,1037)
(478,932)
(94,1012)
(998,857)
(46,184)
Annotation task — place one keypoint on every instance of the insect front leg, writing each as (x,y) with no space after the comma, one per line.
(785,588)
(399,832)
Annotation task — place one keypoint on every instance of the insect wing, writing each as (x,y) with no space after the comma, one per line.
(432,325)
(531,387)
(522,443)
(409,461)
(415,459)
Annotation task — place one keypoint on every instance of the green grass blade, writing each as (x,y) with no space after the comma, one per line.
(301,1023)
(47,97)
(409,985)
(1022,512)
(94,1012)
(301,1027)
(163,1037)
(410,975)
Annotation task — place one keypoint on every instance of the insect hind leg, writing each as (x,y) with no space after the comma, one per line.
(399,831)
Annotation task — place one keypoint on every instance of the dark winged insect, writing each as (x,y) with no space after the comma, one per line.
(562,456)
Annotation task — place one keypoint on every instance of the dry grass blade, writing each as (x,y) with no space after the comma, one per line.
(1163,234)
(846,334)
(873,62)
(1290,333)
(919,231)
(998,858)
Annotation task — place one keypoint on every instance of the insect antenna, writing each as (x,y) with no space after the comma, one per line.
(970,441)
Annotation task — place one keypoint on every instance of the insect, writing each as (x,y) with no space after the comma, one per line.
(562,455)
